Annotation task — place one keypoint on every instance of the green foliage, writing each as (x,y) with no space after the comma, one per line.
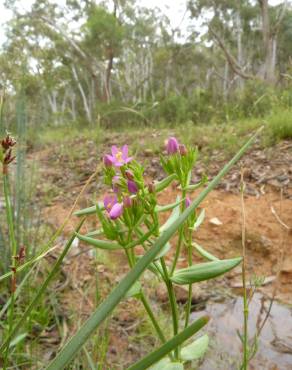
(280,124)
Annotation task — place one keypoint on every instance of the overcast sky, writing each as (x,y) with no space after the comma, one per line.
(174,9)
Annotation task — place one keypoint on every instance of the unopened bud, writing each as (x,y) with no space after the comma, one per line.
(183,150)
(127,201)
(129,175)
(151,187)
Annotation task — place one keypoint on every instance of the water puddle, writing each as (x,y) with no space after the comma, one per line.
(275,343)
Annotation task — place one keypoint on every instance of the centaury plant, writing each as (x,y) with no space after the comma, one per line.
(129,216)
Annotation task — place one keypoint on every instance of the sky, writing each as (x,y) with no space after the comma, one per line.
(174,9)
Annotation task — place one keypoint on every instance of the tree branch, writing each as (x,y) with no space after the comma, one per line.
(236,68)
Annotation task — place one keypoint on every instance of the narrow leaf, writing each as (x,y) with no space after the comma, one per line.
(204,253)
(134,291)
(199,220)
(204,271)
(88,211)
(168,207)
(174,215)
(170,345)
(161,185)
(163,251)
(102,244)
(41,290)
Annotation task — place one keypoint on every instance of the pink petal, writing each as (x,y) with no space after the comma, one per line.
(115,150)
(125,151)
(127,160)
(108,160)
(116,211)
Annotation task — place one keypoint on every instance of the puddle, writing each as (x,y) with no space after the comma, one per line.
(275,343)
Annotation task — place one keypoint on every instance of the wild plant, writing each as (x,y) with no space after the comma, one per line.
(129,216)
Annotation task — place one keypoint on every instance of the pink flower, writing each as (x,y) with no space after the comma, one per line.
(132,187)
(109,201)
(172,145)
(107,161)
(112,206)
(188,202)
(119,157)
(116,211)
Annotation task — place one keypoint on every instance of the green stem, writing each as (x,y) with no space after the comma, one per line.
(152,318)
(131,260)
(180,236)
(190,262)
(173,303)
(13,249)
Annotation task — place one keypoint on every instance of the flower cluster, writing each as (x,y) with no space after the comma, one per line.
(125,177)
(180,160)
(6,153)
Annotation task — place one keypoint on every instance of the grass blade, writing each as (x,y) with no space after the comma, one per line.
(170,345)
(42,289)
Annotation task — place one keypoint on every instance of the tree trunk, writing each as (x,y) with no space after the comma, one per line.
(268,43)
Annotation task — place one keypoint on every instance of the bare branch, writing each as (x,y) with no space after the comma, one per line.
(236,68)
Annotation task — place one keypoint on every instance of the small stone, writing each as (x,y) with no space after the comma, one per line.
(215,221)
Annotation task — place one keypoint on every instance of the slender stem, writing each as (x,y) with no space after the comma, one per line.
(13,251)
(180,237)
(245,359)
(152,318)
(131,257)
(173,303)
(190,262)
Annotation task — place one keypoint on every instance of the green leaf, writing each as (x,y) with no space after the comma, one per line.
(198,185)
(166,364)
(168,207)
(71,348)
(102,244)
(161,185)
(95,233)
(41,290)
(88,211)
(204,271)
(195,350)
(163,251)
(204,253)
(170,345)
(134,291)
(199,220)
(17,340)
(174,215)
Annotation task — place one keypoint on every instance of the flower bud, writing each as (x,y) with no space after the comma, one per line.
(172,145)
(107,161)
(183,150)
(188,202)
(129,175)
(132,187)
(116,211)
(127,202)
(151,187)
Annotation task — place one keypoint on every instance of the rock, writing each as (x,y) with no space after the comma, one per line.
(215,221)
(148,152)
